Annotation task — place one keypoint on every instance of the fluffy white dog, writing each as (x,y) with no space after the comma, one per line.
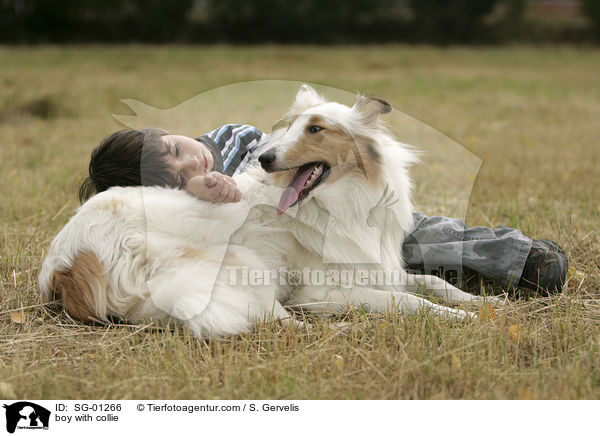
(320,227)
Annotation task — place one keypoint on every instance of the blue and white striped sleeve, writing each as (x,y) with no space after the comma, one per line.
(236,142)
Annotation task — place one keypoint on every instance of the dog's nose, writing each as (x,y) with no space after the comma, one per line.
(267,159)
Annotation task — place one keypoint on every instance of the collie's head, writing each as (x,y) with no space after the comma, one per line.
(320,141)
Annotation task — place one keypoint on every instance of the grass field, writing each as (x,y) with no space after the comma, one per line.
(532,116)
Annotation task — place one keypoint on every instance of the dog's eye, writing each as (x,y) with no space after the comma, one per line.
(314,129)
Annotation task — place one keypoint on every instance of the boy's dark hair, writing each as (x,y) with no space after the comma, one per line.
(128,158)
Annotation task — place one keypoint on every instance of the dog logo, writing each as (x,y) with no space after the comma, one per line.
(26,415)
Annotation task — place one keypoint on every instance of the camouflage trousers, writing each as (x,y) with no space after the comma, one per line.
(443,246)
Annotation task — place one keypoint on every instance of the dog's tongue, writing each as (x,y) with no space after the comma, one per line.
(291,193)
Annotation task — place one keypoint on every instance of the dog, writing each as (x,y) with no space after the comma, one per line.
(320,227)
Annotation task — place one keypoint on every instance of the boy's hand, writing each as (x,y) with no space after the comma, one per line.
(215,187)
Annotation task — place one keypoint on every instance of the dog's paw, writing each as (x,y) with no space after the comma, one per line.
(491,300)
(497,301)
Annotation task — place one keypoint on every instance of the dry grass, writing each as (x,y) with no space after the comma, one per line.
(530,114)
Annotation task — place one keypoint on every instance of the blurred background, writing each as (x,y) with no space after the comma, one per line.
(309,21)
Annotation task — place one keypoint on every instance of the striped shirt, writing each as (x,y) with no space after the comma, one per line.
(232,146)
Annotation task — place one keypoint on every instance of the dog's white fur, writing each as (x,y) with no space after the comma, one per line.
(155,253)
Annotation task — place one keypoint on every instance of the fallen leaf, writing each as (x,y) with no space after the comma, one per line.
(515,332)
(487,312)
(18,317)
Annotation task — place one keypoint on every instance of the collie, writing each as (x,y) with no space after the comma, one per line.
(320,227)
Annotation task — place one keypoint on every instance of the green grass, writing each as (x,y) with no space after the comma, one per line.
(531,115)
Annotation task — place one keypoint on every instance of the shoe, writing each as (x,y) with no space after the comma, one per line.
(546,267)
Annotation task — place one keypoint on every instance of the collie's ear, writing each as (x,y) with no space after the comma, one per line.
(306,97)
(371,107)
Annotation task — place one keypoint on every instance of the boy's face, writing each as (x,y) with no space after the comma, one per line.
(187,157)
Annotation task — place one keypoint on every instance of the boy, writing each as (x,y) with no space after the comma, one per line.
(204,166)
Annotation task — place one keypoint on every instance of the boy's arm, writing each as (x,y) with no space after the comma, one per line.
(215,187)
